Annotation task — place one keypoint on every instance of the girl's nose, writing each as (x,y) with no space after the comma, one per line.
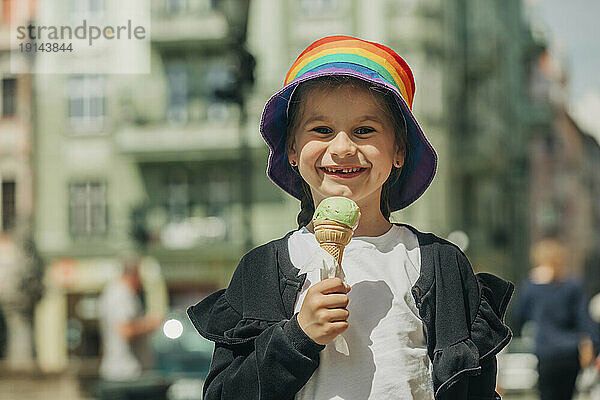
(342,146)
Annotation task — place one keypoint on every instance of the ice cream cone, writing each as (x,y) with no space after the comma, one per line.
(333,237)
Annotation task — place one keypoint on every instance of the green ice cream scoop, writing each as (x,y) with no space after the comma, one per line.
(338,208)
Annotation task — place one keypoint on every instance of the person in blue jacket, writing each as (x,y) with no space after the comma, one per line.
(566,338)
(416,320)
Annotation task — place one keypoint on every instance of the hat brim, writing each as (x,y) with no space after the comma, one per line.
(419,166)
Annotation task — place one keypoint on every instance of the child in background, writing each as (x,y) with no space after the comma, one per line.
(566,338)
(417,321)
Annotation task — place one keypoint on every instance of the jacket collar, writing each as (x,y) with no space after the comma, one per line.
(291,281)
(427,243)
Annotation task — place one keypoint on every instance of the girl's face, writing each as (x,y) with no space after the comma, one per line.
(344,144)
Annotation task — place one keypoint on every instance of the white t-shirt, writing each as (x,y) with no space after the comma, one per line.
(388,356)
(118,303)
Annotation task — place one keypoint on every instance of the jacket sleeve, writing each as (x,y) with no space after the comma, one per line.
(483,386)
(490,334)
(275,365)
(258,354)
(476,387)
(464,315)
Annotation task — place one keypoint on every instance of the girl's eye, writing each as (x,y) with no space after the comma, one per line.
(322,129)
(364,130)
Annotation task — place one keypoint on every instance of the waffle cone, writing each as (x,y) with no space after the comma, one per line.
(335,250)
(333,237)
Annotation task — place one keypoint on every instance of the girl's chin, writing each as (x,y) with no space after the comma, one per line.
(339,191)
(353,192)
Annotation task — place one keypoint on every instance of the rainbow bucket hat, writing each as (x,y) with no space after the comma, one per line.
(371,62)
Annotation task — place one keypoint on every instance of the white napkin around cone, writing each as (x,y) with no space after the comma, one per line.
(329,268)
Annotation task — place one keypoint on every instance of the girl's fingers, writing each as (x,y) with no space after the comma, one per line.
(338,314)
(331,285)
(334,300)
(339,326)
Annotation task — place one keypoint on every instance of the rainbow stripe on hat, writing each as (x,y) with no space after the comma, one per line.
(353,54)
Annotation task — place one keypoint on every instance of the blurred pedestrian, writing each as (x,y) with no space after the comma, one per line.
(124,330)
(566,338)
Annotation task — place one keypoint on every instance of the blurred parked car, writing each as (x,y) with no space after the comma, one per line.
(182,356)
(182,362)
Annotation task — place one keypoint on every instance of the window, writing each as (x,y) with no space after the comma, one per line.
(87,9)
(8,211)
(82,327)
(177,77)
(88,216)
(186,7)
(218,193)
(178,195)
(318,8)
(175,6)
(404,7)
(9,97)
(86,102)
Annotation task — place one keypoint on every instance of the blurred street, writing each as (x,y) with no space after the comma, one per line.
(66,387)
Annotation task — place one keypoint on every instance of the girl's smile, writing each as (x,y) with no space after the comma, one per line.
(344,172)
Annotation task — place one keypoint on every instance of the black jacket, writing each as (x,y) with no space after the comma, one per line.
(262,353)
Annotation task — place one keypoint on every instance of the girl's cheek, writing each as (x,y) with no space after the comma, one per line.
(312,149)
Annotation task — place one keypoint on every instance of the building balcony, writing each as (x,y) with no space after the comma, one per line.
(418,32)
(214,237)
(211,238)
(177,29)
(164,141)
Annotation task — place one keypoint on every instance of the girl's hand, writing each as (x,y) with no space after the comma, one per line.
(323,315)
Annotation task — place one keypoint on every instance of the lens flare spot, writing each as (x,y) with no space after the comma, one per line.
(172,329)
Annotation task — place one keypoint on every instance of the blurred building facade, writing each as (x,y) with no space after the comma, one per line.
(492,117)
(564,175)
(151,163)
(20,286)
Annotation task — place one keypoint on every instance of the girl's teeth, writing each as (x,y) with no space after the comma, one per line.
(345,170)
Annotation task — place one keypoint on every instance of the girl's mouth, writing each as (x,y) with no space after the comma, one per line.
(343,172)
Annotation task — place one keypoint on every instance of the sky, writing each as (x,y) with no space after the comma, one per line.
(573,28)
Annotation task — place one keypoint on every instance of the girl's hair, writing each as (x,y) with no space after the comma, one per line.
(386,100)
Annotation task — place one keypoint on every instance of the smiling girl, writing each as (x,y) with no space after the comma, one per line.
(418,323)
(346,140)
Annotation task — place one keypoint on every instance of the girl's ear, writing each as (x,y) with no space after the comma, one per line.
(399,159)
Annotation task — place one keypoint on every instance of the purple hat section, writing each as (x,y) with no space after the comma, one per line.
(419,166)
